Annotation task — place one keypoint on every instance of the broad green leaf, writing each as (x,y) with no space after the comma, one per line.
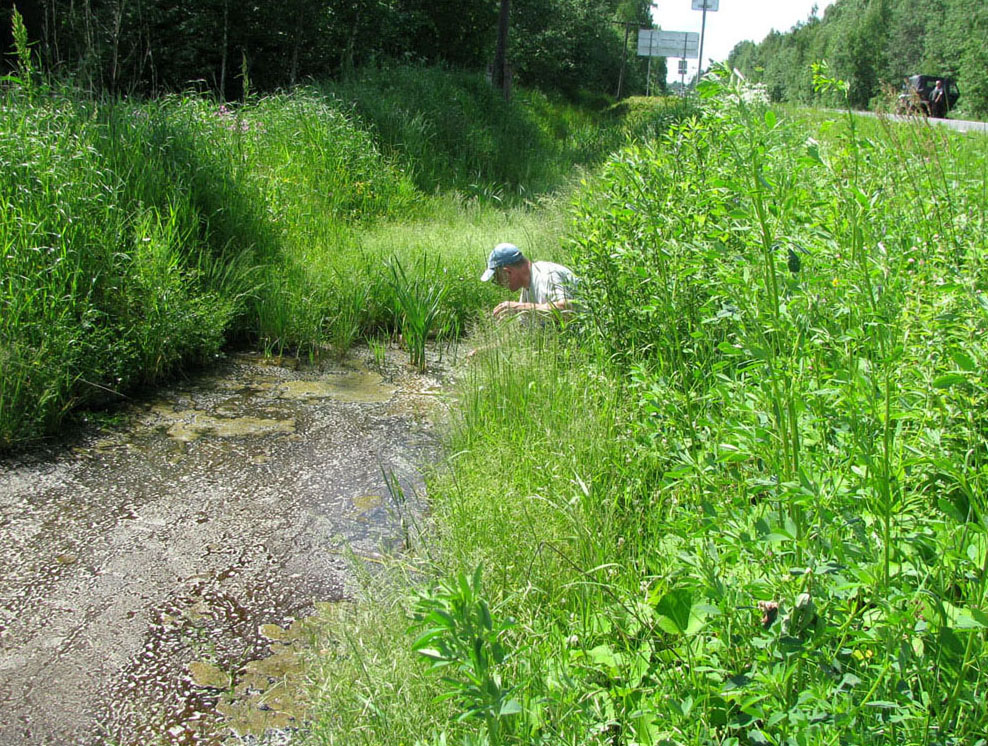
(776,537)
(813,150)
(511,707)
(960,618)
(770,119)
(977,548)
(963,361)
(755,736)
(850,681)
(675,606)
(603,655)
(426,638)
(680,471)
(686,706)
(485,615)
(443,618)
(708,88)
(950,510)
(698,617)
(948,380)
(733,458)
(432,653)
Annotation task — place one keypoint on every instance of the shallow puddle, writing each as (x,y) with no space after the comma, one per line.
(153,578)
(357,386)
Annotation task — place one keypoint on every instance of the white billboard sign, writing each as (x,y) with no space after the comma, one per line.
(652,43)
(706,4)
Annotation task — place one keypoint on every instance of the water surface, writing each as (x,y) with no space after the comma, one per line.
(154,578)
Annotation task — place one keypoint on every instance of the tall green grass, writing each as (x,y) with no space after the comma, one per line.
(745,505)
(102,290)
(455,133)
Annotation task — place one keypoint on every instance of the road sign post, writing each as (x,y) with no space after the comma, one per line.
(704,5)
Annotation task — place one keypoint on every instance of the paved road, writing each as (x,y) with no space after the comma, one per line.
(229,503)
(961,125)
(958,125)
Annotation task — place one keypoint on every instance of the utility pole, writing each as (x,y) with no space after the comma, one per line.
(624,55)
(648,73)
(628,25)
(682,70)
(500,77)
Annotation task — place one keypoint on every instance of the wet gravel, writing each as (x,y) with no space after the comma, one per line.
(225,504)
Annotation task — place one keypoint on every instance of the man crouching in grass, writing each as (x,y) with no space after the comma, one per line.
(546,288)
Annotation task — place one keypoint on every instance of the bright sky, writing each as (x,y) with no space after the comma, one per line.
(735,21)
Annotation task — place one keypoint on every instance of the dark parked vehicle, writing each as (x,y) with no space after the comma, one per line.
(917,95)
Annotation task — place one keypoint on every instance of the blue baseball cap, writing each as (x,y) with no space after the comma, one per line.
(502,255)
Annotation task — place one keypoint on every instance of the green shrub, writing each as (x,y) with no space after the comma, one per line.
(452,131)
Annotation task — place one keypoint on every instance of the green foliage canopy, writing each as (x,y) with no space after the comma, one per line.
(874,44)
(156,46)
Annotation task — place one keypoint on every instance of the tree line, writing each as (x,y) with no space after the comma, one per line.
(152,46)
(875,45)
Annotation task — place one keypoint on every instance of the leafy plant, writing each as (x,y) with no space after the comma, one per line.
(462,640)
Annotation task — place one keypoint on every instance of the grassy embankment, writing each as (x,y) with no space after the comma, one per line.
(140,238)
(745,504)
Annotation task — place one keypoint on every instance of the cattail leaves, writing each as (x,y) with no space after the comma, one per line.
(418,305)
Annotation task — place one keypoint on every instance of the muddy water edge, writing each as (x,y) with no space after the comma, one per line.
(155,577)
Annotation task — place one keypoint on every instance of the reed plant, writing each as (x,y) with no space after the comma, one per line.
(418,306)
(100,293)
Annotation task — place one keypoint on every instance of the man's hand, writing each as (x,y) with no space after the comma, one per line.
(510,308)
(513,308)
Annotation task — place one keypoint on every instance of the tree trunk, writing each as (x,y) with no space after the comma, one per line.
(92,57)
(350,45)
(118,12)
(50,44)
(226,34)
(501,79)
(624,57)
(299,16)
